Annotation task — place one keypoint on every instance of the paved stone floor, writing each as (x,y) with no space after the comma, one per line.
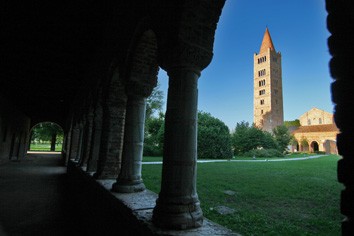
(35,199)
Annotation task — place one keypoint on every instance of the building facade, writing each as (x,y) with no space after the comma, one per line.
(268,90)
(317,132)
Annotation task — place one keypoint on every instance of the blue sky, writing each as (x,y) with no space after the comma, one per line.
(298,30)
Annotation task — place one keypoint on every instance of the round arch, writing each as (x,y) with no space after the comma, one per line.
(46,136)
(314,146)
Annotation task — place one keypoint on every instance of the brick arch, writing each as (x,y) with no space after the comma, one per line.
(59,122)
(45,121)
(142,68)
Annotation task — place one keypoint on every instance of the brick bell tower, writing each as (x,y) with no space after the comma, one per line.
(268,90)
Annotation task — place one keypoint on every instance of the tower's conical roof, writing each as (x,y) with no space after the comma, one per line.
(267,42)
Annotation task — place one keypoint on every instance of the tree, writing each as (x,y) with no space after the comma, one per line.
(304,143)
(214,140)
(295,123)
(282,137)
(239,138)
(153,124)
(47,131)
(154,102)
(247,138)
(152,141)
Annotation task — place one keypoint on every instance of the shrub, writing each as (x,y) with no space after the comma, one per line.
(150,150)
(264,153)
(247,138)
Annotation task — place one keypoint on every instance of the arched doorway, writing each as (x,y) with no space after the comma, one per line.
(314,146)
(46,136)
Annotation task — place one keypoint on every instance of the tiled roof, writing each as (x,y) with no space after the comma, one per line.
(316,128)
(266,43)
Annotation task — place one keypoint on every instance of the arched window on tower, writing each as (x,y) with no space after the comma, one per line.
(261,83)
(261,72)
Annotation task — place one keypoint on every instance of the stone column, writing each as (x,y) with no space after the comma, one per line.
(80,142)
(96,138)
(69,136)
(113,121)
(87,138)
(184,53)
(75,132)
(340,22)
(129,179)
(178,204)
(68,145)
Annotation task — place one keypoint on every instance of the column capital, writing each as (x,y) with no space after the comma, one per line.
(192,44)
(140,88)
(187,56)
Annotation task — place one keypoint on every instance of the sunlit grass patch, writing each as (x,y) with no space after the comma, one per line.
(44,147)
(271,198)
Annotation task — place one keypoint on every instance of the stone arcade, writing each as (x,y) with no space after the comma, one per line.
(89,66)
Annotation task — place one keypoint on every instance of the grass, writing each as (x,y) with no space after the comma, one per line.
(289,156)
(151,159)
(272,198)
(45,147)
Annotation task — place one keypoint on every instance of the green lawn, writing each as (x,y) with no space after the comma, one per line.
(45,147)
(272,198)
(292,155)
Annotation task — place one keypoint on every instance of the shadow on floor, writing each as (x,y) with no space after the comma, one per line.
(35,198)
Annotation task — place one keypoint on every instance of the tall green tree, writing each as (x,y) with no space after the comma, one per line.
(154,102)
(246,138)
(282,137)
(152,140)
(214,140)
(154,120)
(239,136)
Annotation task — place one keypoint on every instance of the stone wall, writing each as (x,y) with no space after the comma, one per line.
(107,213)
(316,116)
(14,132)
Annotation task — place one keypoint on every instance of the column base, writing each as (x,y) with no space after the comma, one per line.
(177,217)
(128,188)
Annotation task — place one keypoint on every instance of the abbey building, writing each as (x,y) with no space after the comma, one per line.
(317,132)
